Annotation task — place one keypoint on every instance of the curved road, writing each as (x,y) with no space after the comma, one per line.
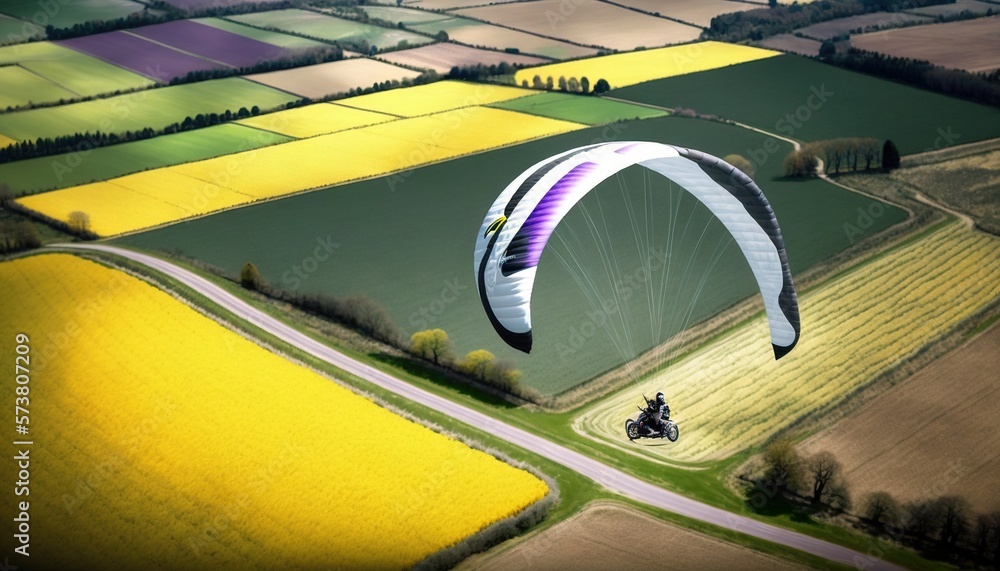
(611,478)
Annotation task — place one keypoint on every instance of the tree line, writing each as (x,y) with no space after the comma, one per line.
(433,346)
(158,12)
(79,142)
(980,87)
(942,526)
(845,154)
(309,57)
(779,19)
(571,85)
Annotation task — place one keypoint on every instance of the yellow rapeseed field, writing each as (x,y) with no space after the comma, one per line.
(630,68)
(435,98)
(168,194)
(163,439)
(318,119)
(732,394)
(4,141)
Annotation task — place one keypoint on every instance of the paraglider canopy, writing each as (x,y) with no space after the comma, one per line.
(517,227)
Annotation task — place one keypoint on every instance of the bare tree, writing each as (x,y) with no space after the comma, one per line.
(922,518)
(502,374)
(954,518)
(881,508)
(824,470)
(984,533)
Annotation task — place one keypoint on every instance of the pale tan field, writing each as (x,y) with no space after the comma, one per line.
(489,36)
(870,21)
(972,45)
(442,57)
(444,4)
(587,22)
(970,184)
(793,44)
(697,12)
(935,433)
(731,393)
(333,77)
(604,536)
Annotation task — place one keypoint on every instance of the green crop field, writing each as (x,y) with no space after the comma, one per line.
(43,72)
(809,100)
(14,31)
(64,14)
(330,28)
(439,208)
(407,16)
(579,108)
(154,108)
(266,36)
(19,86)
(48,173)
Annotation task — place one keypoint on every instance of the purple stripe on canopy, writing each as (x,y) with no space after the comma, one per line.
(543,219)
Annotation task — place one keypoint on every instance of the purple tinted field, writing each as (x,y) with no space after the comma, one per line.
(139,55)
(212,43)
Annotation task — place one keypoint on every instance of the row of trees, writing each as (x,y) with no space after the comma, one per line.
(158,12)
(82,142)
(943,526)
(572,84)
(847,154)
(981,87)
(480,72)
(432,345)
(779,19)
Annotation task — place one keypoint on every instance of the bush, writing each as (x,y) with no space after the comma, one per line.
(741,163)
(250,277)
(477,363)
(18,236)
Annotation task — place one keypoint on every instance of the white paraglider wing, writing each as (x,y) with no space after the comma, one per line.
(521,220)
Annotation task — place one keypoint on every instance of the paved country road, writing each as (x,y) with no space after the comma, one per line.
(611,478)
